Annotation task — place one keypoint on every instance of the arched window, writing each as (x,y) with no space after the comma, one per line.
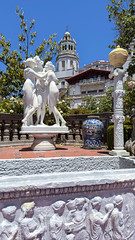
(71,64)
(71,47)
(57,66)
(63,65)
(65,47)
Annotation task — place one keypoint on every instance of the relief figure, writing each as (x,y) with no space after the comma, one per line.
(76,218)
(118,219)
(108,224)
(97,219)
(32,227)
(56,225)
(9,227)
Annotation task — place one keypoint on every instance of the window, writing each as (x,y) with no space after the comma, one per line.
(92,91)
(83,92)
(99,78)
(71,64)
(57,66)
(62,84)
(65,47)
(63,65)
(101,90)
(94,78)
(71,47)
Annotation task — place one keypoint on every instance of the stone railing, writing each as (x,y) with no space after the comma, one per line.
(10,126)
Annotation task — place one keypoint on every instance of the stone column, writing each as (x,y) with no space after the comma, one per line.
(118,117)
(117,58)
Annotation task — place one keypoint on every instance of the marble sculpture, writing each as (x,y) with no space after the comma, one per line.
(39,90)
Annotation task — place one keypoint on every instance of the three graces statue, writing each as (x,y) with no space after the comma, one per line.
(39,90)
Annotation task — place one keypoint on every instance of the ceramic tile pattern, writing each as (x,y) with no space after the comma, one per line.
(61,151)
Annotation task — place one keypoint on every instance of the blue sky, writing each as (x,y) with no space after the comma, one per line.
(87,22)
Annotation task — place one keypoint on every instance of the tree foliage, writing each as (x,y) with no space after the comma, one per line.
(106,102)
(122,14)
(27,36)
(95,105)
(11,79)
(89,104)
(46,50)
(129,98)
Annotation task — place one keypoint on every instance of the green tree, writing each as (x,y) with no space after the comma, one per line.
(46,50)
(89,104)
(27,36)
(106,102)
(129,97)
(11,79)
(122,14)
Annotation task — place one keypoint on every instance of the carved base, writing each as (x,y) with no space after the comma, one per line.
(122,153)
(44,129)
(43,135)
(43,142)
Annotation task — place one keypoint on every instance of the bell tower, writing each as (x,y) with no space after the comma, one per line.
(67,62)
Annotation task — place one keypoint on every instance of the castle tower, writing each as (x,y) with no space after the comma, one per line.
(67,62)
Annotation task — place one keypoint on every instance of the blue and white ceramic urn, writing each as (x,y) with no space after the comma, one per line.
(92,130)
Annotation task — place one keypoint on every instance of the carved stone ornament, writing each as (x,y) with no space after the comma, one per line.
(76,219)
(118,57)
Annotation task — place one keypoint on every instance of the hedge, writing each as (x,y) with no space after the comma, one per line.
(110,134)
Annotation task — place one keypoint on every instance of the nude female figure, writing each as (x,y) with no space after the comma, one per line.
(29,89)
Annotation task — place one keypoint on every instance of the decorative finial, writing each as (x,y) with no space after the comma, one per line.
(118,57)
(67,28)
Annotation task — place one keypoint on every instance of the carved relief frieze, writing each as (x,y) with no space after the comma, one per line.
(118,135)
(81,218)
(118,99)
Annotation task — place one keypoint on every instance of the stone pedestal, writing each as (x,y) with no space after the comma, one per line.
(119,152)
(43,135)
(117,59)
(118,117)
(43,142)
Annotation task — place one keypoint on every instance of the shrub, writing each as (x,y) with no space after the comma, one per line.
(110,138)
(110,133)
(11,105)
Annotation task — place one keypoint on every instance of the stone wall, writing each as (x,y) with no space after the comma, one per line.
(68,206)
(10,126)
